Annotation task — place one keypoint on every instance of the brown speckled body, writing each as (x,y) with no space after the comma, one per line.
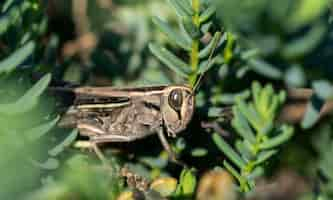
(134,118)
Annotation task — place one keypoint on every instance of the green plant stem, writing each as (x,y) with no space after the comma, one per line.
(194,56)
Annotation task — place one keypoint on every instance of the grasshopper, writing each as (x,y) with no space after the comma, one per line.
(110,114)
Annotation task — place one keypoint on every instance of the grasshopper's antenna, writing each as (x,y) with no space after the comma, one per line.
(214,47)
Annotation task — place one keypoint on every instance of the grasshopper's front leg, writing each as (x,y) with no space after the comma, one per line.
(167,147)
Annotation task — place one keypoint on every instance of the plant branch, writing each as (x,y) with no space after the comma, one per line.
(293,111)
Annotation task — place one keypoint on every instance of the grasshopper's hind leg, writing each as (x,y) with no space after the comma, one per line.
(92,133)
(98,151)
(95,140)
(91,146)
(98,136)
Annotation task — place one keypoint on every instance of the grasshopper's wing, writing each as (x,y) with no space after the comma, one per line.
(92,102)
(89,102)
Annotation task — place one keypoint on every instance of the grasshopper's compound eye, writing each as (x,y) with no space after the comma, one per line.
(175,99)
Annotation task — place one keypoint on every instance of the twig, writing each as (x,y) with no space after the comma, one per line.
(294,110)
(216,127)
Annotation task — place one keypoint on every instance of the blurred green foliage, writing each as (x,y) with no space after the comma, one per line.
(26,113)
(18,103)
(20,130)
(82,179)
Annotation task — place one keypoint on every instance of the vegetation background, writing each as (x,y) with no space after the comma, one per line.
(262,127)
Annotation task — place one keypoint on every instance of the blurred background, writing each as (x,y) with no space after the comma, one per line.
(263,58)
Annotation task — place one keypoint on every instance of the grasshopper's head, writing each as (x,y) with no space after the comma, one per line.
(177,108)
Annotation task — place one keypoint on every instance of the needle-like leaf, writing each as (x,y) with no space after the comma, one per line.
(170,60)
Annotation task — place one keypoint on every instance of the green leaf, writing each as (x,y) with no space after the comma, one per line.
(250,113)
(287,133)
(11,17)
(61,147)
(305,12)
(282,97)
(228,151)
(25,38)
(268,103)
(6,5)
(187,183)
(15,59)
(230,98)
(264,156)
(232,170)
(241,72)
(244,150)
(312,112)
(267,128)
(192,30)
(264,68)
(257,172)
(244,184)
(323,89)
(256,93)
(206,26)
(214,43)
(215,112)
(207,13)
(49,164)
(304,45)
(28,100)
(295,76)
(206,65)
(170,60)
(182,7)
(248,54)
(180,144)
(187,6)
(154,162)
(184,33)
(325,167)
(37,132)
(176,38)
(267,94)
(4,24)
(322,142)
(242,126)
(165,188)
(199,152)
